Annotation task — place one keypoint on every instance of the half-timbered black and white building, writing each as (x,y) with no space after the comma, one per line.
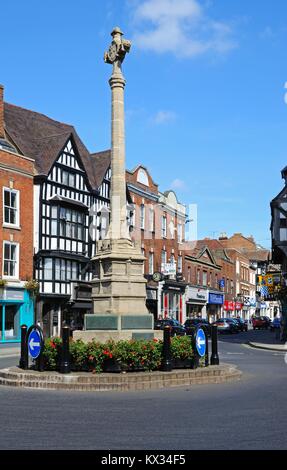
(71,191)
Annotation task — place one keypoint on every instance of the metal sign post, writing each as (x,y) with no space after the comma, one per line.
(23,364)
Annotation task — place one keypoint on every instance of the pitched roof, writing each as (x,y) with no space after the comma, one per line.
(42,138)
(101,162)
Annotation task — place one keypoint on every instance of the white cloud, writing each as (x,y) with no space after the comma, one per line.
(163,117)
(180,27)
(179,184)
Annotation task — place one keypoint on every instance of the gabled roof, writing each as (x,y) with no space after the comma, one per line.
(217,248)
(101,162)
(42,138)
(198,252)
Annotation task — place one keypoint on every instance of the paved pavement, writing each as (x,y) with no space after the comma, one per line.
(250,414)
(9,350)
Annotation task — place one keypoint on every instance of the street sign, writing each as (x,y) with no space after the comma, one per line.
(200,342)
(35,343)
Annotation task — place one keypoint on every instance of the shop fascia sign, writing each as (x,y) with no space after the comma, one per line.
(216,299)
(196,294)
(168,269)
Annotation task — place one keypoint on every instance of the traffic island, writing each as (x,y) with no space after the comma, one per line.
(123,382)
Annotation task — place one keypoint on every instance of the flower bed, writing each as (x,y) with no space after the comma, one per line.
(116,357)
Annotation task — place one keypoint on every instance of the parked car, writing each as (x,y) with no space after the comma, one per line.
(275,324)
(195,322)
(177,329)
(260,323)
(242,325)
(226,325)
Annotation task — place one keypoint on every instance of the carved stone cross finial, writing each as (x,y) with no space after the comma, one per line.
(118,49)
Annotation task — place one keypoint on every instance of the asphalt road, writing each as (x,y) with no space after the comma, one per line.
(251,414)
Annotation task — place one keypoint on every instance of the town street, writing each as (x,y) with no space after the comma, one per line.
(250,414)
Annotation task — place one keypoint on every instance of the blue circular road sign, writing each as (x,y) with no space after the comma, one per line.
(200,342)
(35,342)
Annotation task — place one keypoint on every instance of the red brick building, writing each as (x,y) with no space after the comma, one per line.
(158,226)
(16,234)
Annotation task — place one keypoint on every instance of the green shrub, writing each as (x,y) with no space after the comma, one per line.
(139,355)
(181,348)
(51,353)
(131,355)
(78,355)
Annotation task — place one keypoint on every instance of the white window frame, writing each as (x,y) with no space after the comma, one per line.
(179,232)
(16,277)
(151,219)
(179,264)
(142,216)
(164,226)
(17,192)
(151,263)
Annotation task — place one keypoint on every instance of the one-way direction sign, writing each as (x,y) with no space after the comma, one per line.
(35,344)
(200,342)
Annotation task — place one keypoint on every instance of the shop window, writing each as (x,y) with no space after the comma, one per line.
(12,322)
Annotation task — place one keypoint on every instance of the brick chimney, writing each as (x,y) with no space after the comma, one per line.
(2,135)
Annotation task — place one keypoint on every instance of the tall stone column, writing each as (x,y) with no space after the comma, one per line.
(119,287)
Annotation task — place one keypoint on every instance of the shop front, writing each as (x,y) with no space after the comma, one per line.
(173,300)
(232,309)
(196,300)
(16,309)
(215,306)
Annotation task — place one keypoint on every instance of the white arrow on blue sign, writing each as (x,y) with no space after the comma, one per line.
(201,342)
(34,344)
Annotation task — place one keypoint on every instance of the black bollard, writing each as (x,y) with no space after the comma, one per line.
(166,365)
(214,338)
(23,364)
(65,366)
(207,347)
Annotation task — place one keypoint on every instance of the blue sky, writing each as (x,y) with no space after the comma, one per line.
(205,109)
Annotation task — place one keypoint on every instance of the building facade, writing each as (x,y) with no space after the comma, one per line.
(16,235)
(158,225)
(68,197)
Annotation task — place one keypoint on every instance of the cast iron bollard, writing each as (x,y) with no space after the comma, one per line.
(23,364)
(166,359)
(205,329)
(214,355)
(65,366)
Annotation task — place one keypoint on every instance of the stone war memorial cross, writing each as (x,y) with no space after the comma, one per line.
(119,286)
